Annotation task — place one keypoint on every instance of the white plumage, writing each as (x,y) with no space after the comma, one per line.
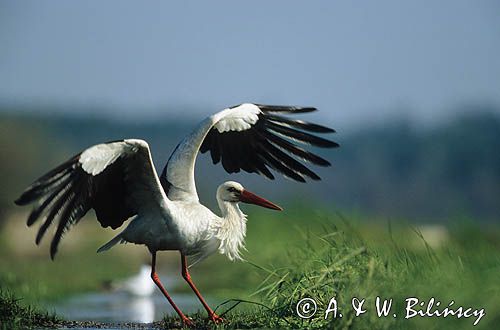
(238,119)
(119,181)
(138,285)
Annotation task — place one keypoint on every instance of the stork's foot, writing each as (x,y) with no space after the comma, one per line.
(216,318)
(187,322)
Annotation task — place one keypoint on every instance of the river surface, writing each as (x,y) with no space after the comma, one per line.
(120,306)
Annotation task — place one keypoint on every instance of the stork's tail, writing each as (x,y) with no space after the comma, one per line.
(117,239)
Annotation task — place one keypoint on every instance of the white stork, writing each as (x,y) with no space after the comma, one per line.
(119,181)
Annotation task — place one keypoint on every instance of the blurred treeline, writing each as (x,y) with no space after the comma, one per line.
(394,169)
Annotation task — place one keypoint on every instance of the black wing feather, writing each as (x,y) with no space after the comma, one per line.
(279,167)
(296,150)
(41,208)
(301,136)
(55,209)
(49,181)
(311,127)
(67,193)
(284,108)
(270,142)
(74,210)
(109,191)
(290,162)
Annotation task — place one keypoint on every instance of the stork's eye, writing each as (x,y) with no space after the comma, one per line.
(232,189)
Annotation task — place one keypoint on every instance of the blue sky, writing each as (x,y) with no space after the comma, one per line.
(357,61)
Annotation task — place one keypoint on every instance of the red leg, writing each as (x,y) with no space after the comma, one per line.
(185,274)
(156,279)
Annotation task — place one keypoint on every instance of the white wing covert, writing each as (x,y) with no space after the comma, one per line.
(250,137)
(116,179)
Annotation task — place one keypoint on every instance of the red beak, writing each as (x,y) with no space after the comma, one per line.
(250,198)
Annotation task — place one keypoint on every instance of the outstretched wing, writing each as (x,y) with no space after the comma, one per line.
(251,137)
(116,179)
(269,142)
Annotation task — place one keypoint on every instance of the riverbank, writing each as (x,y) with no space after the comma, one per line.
(321,257)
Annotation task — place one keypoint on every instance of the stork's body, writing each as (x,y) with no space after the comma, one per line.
(118,180)
(169,230)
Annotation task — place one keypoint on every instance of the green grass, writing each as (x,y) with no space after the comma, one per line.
(297,254)
(38,280)
(14,315)
(332,257)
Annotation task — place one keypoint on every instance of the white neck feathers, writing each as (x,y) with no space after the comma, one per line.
(231,229)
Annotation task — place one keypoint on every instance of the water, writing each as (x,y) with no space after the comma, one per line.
(120,306)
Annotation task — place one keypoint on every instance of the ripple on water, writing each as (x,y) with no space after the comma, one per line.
(119,307)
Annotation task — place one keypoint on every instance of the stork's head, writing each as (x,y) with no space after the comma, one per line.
(234,192)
